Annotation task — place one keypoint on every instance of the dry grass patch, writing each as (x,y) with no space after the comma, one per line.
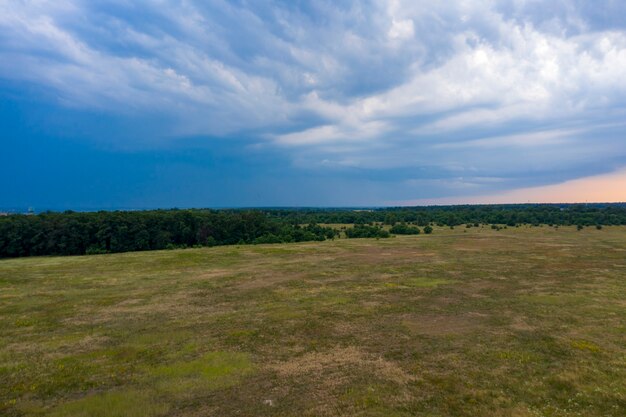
(336,363)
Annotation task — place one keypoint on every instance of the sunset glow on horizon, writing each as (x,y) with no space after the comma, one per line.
(609,188)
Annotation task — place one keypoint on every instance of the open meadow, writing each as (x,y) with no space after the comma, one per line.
(527,321)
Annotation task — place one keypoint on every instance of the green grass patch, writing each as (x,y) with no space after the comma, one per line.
(212,371)
(129,403)
(585,345)
(427,282)
(420,282)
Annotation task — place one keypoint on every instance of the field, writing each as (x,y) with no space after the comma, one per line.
(527,321)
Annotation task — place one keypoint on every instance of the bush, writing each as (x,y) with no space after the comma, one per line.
(428,230)
(403,229)
(94,250)
(269,238)
(363,231)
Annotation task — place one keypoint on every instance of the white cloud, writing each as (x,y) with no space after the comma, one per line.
(401,29)
(333,134)
(531,139)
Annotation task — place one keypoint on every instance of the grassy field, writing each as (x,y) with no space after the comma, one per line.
(464,322)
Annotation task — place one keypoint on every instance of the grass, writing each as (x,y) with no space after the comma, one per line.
(211,371)
(527,321)
(112,404)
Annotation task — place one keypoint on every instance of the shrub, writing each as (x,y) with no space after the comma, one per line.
(94,250)
(269,238)
(362,231)
(403,229)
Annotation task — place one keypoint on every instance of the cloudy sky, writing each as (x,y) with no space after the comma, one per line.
(132,104)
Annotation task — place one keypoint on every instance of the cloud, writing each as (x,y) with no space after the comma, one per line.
(401,29)
(530,139)
(607,188)
(492,90)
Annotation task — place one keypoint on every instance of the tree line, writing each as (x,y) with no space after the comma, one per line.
(77,233)
(510,215)
(72,233)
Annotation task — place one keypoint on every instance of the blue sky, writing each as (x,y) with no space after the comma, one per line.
(120,104)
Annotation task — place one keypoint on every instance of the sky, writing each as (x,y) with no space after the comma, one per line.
(145,104)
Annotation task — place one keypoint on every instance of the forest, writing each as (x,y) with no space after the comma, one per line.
(78,233)
(73,233)
(510,215)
